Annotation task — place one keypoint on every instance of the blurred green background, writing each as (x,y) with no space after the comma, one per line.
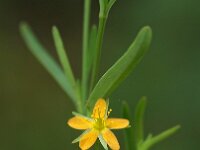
(34,110)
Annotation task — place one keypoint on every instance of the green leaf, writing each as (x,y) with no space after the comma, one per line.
(139,118)
(63,56)
(98,48)
(47,61)
(89,57)
(122,68)
(158,138)
(91,50)
(129,143)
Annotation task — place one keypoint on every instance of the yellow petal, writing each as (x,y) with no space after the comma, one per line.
(88,140)
(79,123)
(99,110)
(111,139)
(117,123)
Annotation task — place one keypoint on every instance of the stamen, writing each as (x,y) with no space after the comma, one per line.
(93,113)
(110,110)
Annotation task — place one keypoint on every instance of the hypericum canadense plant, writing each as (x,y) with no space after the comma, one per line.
(88,95)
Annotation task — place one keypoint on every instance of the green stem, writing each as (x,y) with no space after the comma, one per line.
(99,43)
(86,20)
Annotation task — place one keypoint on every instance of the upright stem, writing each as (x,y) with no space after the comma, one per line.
(100,34)
(86,21)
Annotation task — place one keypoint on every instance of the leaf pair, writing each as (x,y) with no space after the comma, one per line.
(108,82)
(64,78)
(135,135)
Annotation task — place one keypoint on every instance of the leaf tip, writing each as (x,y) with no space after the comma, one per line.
(177,127)
(147,28)
(144,98)
(54,30)
(22,23)
(23,26)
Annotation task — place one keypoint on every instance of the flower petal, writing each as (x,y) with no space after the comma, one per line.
(99,110)
(111,139)
(79,123)
(88,140)
(80,136)
(116,123)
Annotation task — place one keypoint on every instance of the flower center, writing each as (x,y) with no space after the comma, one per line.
(99,121)
(99,124)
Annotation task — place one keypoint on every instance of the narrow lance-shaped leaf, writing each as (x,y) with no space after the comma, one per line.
(121,69)
(91,48)
(46,60)
(129,143)
(63,56)
(89,59)
(139,117)
(158,138)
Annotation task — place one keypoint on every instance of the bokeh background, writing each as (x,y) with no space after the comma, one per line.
(34,110)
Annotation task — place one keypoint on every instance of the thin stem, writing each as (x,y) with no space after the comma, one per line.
(86,20)
(100,34)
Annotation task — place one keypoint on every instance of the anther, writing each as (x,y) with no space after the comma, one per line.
(110,110)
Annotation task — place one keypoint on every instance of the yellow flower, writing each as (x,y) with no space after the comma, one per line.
(98,126)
